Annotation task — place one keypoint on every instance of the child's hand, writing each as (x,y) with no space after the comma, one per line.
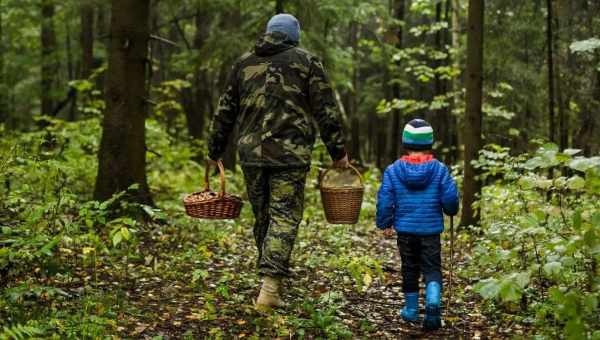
(389,232)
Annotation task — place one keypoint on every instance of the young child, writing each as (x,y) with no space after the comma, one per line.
(416,190)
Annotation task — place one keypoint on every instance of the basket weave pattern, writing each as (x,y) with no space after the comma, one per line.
(208,204)
(342,205)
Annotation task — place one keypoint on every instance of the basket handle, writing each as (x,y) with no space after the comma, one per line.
(221,177)
(362,182)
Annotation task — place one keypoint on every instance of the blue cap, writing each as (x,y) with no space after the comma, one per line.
(285,23)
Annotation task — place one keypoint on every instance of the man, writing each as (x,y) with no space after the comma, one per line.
(275,95)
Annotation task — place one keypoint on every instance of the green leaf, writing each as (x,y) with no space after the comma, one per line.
(488,288)
(47,249)
(577,220)
(572,152)
(596,219)
(552,268)
(199,274)
(522,279)
(543,183)
(514,132)
(590,303)
(575,329)
(117,238)
(583,164)
(585,46)
(509,291)
(555,295)
(527,182)
(576,183)
(135,186)
(125,233)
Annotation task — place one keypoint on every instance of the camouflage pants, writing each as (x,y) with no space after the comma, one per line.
(277,197)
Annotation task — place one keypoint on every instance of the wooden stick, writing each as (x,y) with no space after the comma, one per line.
(451,271)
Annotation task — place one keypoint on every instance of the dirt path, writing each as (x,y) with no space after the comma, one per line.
(179,300)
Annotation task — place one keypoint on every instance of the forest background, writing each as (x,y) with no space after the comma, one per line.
(104,113)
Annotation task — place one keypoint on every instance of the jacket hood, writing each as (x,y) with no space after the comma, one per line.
(273,43)
(416,176)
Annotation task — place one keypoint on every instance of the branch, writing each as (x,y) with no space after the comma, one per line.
(150,101)
(163,40)
(182,34)
(176,19)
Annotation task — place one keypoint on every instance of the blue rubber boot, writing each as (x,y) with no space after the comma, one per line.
(410,312)
(433,315)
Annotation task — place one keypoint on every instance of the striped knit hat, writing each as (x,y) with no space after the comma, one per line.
(417,135)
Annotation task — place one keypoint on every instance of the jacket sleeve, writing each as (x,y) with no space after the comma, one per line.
(325,111)
(224,120)
(450,201)
(385,203)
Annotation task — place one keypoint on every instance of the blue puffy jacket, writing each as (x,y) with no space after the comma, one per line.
(414,196)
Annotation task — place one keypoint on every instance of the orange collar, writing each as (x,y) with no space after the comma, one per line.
(417,159)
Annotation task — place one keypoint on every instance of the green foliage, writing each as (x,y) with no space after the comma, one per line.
(322,316)
(72,267)
(20,332)
(585,46)
(542,239)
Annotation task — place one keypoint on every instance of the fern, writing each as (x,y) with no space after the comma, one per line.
(20,332)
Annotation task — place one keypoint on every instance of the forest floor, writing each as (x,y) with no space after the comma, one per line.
(346,283)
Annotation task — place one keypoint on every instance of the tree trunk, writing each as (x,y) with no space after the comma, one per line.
(3,87)
(473,115)
(443,117)
(49,64)
(521,144)
(396,124)
(454,83)
(199,95)
(371,121)
(86,38)
(231,20)
(101,20)
(197,100)
(383,122)
(561,77)
(355,142)
(550,47)
(72,94)
(279,6)
(438,86)
(587,122)
(122,156)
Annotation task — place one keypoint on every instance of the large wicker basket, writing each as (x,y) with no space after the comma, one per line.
(342,205)
(208,204)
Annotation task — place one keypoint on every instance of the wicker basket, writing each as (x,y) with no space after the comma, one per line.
(208,204)
(342,205)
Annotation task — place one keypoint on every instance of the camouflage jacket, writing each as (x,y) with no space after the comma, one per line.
(276,95)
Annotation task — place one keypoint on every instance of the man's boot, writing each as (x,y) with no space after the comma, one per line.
(410,312)
(269,294)
(433,315)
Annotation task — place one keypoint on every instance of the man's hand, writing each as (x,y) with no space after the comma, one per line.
(389,232)
(342,163)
